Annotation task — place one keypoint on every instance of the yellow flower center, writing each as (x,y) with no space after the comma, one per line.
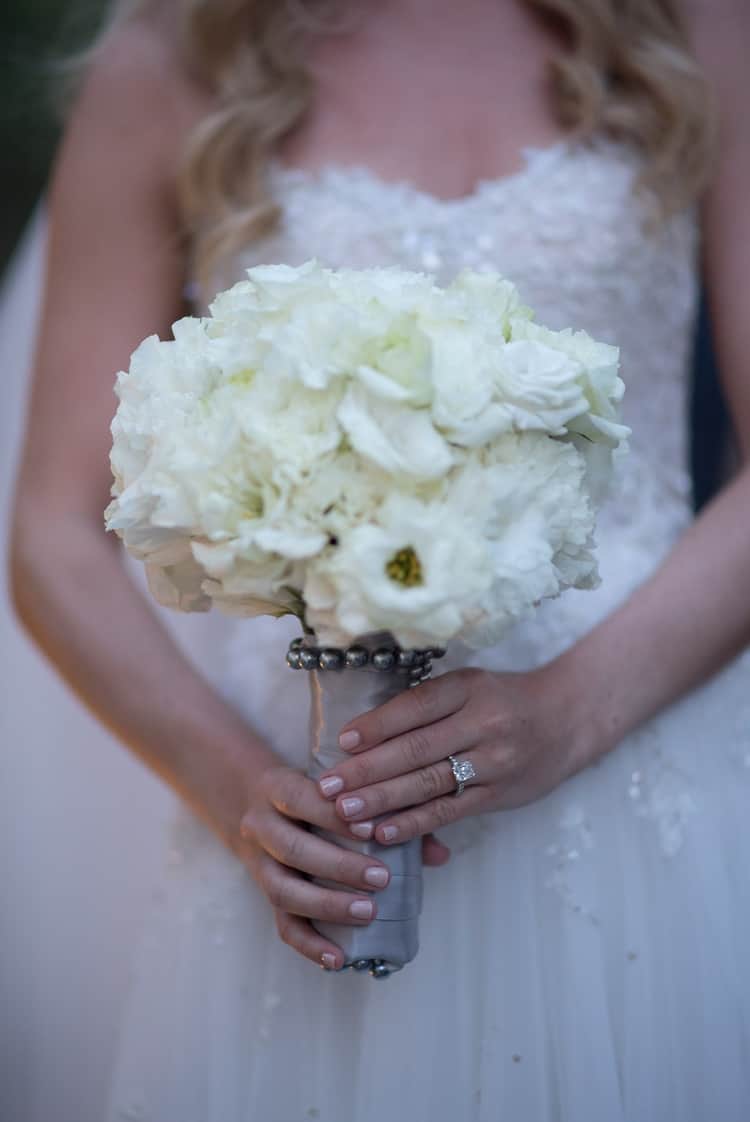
(405,567)
(243,377)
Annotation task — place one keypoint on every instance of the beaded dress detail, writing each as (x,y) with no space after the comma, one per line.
(582,958)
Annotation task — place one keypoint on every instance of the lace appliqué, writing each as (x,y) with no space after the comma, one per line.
(659,791)
(575,839)
(662,793)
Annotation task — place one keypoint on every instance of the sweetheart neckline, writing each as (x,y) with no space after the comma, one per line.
(534,157)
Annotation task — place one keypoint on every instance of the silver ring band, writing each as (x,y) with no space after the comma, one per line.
(463,770)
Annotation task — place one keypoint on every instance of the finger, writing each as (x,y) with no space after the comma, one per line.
(430,816)
(299,849)
(301,936)
(394,794)
(290,892)
(295,795)
(415,749)
(430,701)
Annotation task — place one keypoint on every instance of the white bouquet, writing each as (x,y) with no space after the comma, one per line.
(366,450)
(373,453)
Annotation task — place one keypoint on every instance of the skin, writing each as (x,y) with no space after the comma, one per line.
(115,271)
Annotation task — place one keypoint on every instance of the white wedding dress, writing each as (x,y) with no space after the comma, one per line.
(582,959)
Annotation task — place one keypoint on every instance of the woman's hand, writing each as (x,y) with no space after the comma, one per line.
(281,853)
(524,734)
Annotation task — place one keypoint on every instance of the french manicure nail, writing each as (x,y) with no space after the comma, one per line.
(361,909)
(362,829)
(331,786)
(377,875)
(389,833)
(349,739)
(352,806)
(328,960)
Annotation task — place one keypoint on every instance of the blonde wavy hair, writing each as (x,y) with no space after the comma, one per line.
(629,73)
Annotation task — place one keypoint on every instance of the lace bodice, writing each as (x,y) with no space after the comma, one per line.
(571,232)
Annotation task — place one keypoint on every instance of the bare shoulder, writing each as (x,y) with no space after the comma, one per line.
(138,92)
(115,259)
(719,33)
(713,21)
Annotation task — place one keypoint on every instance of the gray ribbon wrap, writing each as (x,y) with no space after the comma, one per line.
(336,696)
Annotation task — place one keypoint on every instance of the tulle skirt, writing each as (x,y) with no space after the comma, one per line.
(583,958)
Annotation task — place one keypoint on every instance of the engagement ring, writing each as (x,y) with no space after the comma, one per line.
(463,770)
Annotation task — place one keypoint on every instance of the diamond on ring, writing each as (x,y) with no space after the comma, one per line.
(463,770)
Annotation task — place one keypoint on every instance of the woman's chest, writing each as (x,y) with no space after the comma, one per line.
(566,228)
(443,97)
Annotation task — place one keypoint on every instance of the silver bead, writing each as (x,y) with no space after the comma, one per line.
(407,658)
(330,659)
(435,652)
(379,969)
(308,658)
(361,964)
(292,659)
(355,657)
(383,659)
(296,643)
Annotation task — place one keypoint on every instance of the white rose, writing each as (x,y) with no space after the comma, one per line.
(598,365)
(537,387)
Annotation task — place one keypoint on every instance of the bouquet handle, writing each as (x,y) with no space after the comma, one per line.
(344,684)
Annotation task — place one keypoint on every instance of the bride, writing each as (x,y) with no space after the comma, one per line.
(586,914)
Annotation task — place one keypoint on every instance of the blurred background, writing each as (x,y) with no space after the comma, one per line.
(35,35)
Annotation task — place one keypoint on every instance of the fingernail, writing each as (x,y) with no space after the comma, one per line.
(328,960)
(362,829)
(331,786)
(377,875)
(389,833)
(361,909)
(349,739)
(352,806)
